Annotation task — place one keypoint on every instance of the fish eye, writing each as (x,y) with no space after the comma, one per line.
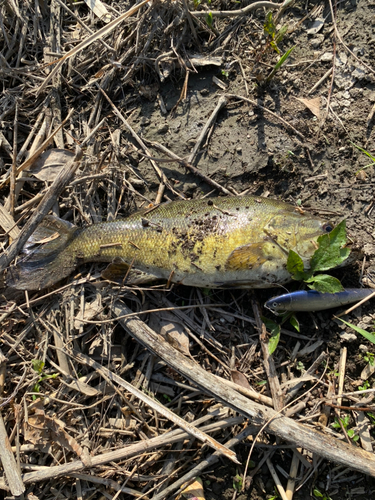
(327,227)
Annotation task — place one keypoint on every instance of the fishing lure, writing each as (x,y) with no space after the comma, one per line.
(311,300)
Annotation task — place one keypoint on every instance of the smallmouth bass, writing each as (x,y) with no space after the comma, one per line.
(240,242)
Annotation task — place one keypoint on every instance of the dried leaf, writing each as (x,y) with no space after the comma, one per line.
(91,309)
(317,25)
(99,9)
(312,104)
(173,332)
(240,379)
(194,491)
(48,165)
(41,429)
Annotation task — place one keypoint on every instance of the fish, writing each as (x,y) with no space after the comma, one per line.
(240,242)
(311,300)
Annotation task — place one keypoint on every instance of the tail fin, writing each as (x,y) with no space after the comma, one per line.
(45,259)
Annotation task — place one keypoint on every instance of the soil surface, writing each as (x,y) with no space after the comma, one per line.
(318,160)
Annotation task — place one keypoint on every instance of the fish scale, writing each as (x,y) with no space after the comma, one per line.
(217,242)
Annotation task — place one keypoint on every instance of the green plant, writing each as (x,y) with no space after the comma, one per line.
(237,483)
(197,3)
(209,19)
(317,494)
(369,155)
(330,253)
(38,366)
(279,63)
(366,385)
(345,424)
(274,35)
(368,335)
(225,73)
(369,358)
(300,366)
(275,329)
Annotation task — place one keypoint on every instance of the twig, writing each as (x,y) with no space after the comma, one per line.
(297,433)
(234,96)
(53,472)
(268,361)
(292,477)
(160,174)
(342,365)
(344,44)
(239,12)
(8,461)
(190,167)
(203,464)
(89,40)
(222,102)
(108,375)
(14,164)
(355,306)
(276,479)
(40,150)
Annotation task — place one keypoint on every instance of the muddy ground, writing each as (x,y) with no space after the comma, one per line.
(310,160)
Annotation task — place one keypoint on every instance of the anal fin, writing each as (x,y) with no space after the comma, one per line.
(122,273)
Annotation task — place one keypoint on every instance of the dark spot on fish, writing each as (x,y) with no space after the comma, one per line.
(247,208)
(193,257)
(218,267)
(145,222)
(210,202)
(195,265)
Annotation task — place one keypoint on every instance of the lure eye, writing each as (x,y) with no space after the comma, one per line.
(327,227)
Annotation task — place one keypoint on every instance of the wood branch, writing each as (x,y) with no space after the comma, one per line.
(221,103)
(286,428)
(11,469)
(9,463)
(44,473)
(238,12)
(153,403)
(268,361)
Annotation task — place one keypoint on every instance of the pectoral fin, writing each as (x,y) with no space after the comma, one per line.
(245,257)
(122,273)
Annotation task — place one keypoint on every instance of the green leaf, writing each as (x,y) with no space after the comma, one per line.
(274,341)
(283,58)
(275,47)
(325,283)
(317,493)
(274,329)
(294,322)
(295,266)
(364,151)
(280,34)
(368,335)
(269,26)
(37,365)
(331,251)
(209,19)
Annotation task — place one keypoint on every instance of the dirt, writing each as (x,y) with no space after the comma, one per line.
(250,150)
